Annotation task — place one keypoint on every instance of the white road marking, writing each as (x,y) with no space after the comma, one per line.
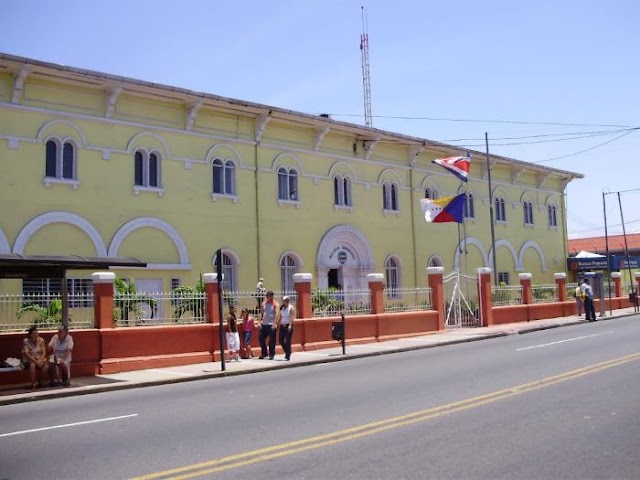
(562,341)
(67,425)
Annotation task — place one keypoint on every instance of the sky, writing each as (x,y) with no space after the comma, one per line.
(562,74)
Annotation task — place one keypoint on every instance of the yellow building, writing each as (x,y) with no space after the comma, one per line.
(99,165)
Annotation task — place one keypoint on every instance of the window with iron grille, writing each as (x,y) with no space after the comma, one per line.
(79,290)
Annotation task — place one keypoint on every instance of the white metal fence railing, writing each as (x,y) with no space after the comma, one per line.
(330,302)
(251,301)
(506,295)
(544,293)
(18,312)
(407,299)
(136,309)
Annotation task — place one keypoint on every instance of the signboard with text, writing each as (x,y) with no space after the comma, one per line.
(617,262)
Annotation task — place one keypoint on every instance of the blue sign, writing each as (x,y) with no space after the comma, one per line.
(617,262)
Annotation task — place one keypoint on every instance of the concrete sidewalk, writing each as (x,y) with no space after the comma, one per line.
(160,376)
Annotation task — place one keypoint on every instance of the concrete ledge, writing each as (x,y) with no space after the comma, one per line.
(128,364)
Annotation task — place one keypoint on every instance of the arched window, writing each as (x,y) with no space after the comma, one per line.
(342,190)
(469,206)
(224,177)
(392,271)
(229,272)
(435,261)
(60,159)
(287,184)
(390,196)
(552,213)
(527,208)
(52,159)
(431,193)
(501,214)
(154,170)
(146,169)
(288,266)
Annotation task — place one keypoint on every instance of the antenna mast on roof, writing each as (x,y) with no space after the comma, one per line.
(366,78)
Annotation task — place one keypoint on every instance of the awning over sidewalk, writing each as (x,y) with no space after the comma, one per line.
(13,265)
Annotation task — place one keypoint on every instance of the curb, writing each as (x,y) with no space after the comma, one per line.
(127,385)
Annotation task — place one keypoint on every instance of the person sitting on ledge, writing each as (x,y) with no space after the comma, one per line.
(60,348)
(34,357)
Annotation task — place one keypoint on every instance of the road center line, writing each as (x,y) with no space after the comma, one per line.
(277,451)
(562,341)
(87,422)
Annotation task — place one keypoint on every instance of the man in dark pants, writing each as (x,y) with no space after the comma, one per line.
(589,309)
(286,315)
(268,326)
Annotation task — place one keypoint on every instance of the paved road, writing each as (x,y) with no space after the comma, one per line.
(559,403)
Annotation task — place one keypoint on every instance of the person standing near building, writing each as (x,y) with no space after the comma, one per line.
(268,327)
(578,294)
(233,338)
(286,315)
(587,298)
(260,292)
(247,328)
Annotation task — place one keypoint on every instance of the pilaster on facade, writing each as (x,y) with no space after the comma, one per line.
(261,125)
(368,146)
(321,132)
(18,84)
(192,112)
(110,102)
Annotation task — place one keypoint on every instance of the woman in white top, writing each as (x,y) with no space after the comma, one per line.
(60,348)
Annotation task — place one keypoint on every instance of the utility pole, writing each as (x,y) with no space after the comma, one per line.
(493,228)
(366,76)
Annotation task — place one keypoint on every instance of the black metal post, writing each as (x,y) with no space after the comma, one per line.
(220,313)
(493,228)
(606,243)
(344,336)
(626,254)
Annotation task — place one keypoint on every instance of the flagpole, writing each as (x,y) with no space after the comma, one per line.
(626,251)
(493,232)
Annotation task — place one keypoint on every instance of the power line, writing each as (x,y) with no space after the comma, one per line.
(587,149)
(494,144)
(469,120)
(540,135)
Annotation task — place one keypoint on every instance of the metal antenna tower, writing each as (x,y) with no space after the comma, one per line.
(366,77)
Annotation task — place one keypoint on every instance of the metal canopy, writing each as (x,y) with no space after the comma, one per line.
(13,265)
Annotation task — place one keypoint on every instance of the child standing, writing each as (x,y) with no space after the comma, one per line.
(233,339)
(247,327)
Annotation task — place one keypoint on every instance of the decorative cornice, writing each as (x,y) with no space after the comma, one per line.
(484,172)
(111,100)
(414,151)
(321,132)
(542,177)
(368,146)
(192,112)
(261,125)
(515,174)
(18,84)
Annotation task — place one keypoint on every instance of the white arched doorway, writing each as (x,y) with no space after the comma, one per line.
(344,259)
